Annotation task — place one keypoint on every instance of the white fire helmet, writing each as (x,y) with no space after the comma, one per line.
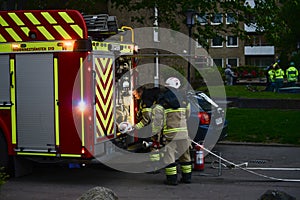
(125,127)
(173,82)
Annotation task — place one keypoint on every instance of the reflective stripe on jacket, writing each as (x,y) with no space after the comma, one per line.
(175,125)
(146,114)
(172,121)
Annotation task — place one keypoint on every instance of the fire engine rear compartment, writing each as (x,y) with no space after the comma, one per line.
(43,104)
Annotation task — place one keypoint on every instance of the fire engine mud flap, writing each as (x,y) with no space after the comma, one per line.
(5,159)
(23,166)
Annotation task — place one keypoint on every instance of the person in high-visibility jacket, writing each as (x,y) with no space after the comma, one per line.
(271,73)
(279,77)
(292,75)
(170,117)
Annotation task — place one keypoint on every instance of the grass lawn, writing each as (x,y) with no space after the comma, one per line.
(263,126)
(242,92)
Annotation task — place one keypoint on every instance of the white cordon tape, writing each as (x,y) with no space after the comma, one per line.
(245,169)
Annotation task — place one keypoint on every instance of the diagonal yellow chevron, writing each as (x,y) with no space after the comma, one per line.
(104,105)
(105,120)
(104,94)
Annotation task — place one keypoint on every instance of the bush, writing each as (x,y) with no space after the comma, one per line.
(249,72)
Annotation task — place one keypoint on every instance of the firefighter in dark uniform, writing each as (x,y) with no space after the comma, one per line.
(145,98)
(170,115)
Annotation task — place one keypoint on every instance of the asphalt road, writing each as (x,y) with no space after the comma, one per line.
(58,182)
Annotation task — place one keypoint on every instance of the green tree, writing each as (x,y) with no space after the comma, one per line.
(172,15)
(278,19)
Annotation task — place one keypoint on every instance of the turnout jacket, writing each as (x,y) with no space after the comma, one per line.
(170,115)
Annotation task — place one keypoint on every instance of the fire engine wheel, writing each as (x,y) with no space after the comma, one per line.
(5,160)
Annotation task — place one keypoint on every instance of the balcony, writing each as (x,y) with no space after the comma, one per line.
(259,50)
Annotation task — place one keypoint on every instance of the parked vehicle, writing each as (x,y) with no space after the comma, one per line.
(208,116)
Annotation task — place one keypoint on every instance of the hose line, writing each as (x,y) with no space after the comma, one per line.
(233,165)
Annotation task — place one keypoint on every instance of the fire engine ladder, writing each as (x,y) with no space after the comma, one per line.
(101,26)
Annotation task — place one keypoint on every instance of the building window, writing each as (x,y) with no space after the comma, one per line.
(259,61)
(202,61)
(234,62)
(218,62)
(202,19)
(217,19)
(230,18)
(232,41)
(217,41)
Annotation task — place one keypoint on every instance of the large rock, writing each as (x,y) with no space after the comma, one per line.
(99,193)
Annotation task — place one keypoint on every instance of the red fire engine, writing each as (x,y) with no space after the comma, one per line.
(63,86)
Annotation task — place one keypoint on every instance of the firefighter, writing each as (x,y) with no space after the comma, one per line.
(170,115)
(145,98)
(292,75)
(279,77)
(145,101)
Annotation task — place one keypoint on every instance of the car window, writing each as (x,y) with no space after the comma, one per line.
(198,103)
(205,105)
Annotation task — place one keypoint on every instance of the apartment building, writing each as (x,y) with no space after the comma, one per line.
(222,49)
(230,49)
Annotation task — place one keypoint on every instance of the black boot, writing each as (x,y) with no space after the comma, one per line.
(171,173)
(186,169)
(186,178)
(171,180)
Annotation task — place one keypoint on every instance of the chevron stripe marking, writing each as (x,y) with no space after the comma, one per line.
(103,64)
(25,30)
(106,97)
(111,126)
(99,129)
(32,18)
(105,112)
(16,19)
(49,18)
(104,78)
(66,17)
(78,30)
(13,34)
(3,22)
(62,32)
(105,128)
(104,91)
(2,39)
(44,31)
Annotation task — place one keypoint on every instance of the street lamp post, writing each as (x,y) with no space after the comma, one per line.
(189,22)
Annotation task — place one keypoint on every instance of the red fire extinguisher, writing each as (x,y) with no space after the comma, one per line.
(198,158)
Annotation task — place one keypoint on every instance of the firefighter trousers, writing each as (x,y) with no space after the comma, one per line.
(177,149)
